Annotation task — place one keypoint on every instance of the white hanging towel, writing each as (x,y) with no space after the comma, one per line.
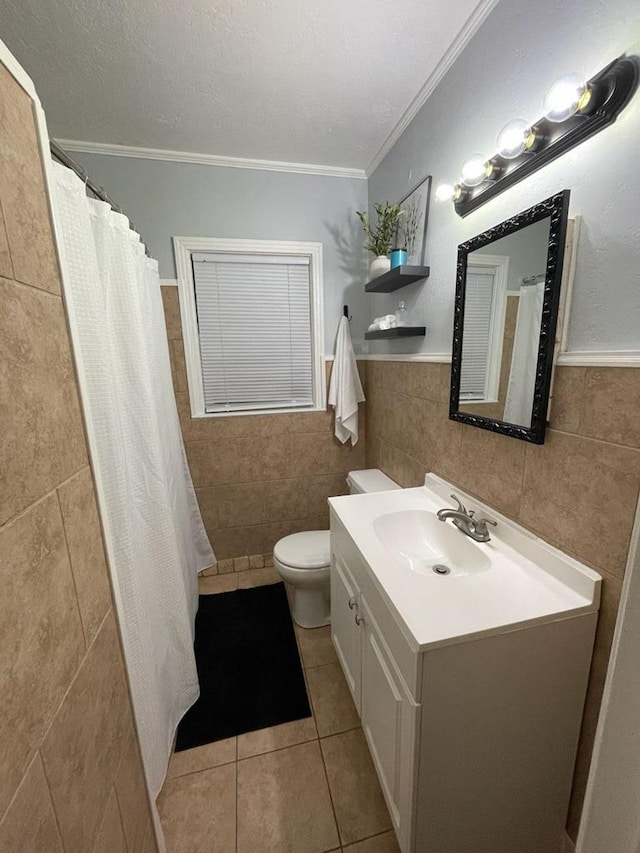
(345,390)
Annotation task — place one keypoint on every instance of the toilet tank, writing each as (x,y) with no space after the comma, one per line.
(370,480)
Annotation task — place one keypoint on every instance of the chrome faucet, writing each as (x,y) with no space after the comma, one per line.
(476,528)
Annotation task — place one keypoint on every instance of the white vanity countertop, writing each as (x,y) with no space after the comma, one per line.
(528,581)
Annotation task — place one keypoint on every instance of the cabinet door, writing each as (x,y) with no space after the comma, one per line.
(345,631)
(390,718)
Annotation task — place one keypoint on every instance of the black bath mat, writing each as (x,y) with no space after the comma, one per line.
(248,665)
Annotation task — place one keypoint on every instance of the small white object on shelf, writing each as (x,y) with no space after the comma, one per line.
(401,314)
(389,321)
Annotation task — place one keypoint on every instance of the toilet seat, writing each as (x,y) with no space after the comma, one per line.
(308,550)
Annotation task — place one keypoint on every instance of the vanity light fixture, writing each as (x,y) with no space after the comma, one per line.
(565,98)
(444,192)
(574,110)
(513,138)
(474,171)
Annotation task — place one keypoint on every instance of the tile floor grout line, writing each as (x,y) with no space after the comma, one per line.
(333,807)
(200,769)
(279,748)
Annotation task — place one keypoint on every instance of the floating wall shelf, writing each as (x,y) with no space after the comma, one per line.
(397,332)
(396,278)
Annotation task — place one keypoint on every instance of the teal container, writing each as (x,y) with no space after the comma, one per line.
(398,257)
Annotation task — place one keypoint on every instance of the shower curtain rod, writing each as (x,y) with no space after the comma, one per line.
(61,155)
(533,279)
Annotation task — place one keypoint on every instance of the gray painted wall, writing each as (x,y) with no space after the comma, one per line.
(527,250)
(502,74)
(166,199)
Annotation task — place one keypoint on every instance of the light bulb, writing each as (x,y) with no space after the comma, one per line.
(474,171)
(512,139)
(444,192)
(567,95)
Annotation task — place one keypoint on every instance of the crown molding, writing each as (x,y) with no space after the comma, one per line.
(465,35)
(111,150)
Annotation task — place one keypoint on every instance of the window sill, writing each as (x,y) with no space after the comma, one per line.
(247,414)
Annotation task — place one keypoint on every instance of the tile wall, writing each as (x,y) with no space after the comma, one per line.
(71,777)
(258,478)
(578,491)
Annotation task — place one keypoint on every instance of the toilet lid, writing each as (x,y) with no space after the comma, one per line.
(308,550)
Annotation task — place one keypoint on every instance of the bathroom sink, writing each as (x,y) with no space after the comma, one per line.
(428,546)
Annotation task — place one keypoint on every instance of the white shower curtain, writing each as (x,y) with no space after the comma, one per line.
(524,359)
(154,535)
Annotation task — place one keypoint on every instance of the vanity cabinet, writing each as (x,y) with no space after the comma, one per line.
(473,739)
(387,707)
(345,626)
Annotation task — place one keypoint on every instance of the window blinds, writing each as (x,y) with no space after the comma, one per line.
(254,325)
(477,333)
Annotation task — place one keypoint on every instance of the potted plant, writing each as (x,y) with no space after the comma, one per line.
(380,237)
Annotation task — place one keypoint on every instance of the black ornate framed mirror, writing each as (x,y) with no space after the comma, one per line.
(505,317)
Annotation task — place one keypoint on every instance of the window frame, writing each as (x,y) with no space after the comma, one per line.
(500,266)
(183,248)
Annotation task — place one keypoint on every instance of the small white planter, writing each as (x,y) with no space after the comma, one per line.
(379,266)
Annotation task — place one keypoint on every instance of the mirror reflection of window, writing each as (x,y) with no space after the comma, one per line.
(504,291)
(483,328)
(524,358)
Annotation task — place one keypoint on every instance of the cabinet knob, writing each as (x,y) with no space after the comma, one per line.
(359,619)
(352,602)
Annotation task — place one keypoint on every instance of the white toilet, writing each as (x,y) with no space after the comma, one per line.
(302,559)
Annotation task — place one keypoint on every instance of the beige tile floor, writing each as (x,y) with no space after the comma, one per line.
(303,787)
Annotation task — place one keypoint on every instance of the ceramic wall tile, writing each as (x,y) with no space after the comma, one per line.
(395,377)
(86,550)
(29,824)
(261,459)
(581,494)
(42,641)
(131,793)
(207,498)
(611,405)
(110,837)
(238,541)
(22,191)
(83,747)
(171,305)
(567,398)
(429,380)
(401,467)
(286,500)
(178,366)
(213,462)
(323,487)
(240,505)
(6,268)
(493,468)
(42,436)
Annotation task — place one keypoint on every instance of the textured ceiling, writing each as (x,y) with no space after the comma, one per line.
(311,81)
